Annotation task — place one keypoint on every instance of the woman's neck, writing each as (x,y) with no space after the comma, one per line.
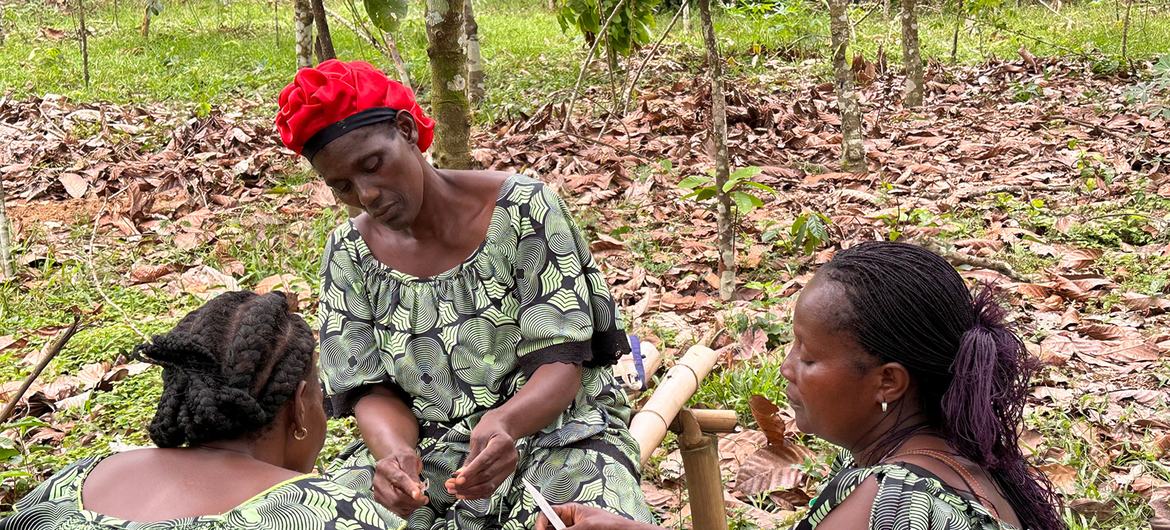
(888,437)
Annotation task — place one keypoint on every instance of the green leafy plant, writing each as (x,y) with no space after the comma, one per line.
(629,29)
(739,187)
(810,231)
(1152,96)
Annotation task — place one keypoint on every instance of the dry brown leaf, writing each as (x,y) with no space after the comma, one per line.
(1079,258)
(1094,509)
(75,185)
(287,283)
(1103,331)
(755,255)
(8,341)
(1058,348)
(1071,318)
(91,375)
(752,342)
(766,415)
(205,282)
(1034,291)
(773,468)
(1133,351)
(1149,304)
(151,273)
(1062,476)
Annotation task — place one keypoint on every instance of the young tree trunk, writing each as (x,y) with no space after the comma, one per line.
(83,33)
(852,146)
(324,38)
(276,20)
(5,240)
(146,19)
(955,36)
(911,54)
(444,19)
(303,29)
(1125,30)
(723,211)
(474,59)
(686,15)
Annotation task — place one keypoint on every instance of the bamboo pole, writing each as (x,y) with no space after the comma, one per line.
(700,455)
(682,380)
(710,420)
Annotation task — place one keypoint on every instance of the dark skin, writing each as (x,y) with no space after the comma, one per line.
(424,221)
(822,361)
(214,477)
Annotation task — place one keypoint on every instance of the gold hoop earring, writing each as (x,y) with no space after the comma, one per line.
(300,434)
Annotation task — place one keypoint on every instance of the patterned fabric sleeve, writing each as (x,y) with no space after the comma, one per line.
(832,494)
(62,486)
(350,359)
(908,498)
(566,311)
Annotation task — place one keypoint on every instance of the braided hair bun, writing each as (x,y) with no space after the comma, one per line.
(228,368)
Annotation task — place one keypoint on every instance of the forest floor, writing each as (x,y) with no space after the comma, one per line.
(1044,173)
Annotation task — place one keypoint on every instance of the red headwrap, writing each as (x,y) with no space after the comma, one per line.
(321,97)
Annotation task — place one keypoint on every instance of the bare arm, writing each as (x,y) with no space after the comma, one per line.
(390,431)
(543,399)
(386,423)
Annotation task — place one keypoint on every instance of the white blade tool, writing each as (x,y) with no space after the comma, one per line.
(543,504)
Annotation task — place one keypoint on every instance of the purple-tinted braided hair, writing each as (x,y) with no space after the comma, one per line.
(971,370)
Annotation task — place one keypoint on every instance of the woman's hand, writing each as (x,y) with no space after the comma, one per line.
(397,485)
(490,461)
(580,517)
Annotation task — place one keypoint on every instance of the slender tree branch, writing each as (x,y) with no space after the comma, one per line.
(585,65)
(58,345)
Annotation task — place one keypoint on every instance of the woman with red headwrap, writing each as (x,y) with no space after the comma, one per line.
(464,322)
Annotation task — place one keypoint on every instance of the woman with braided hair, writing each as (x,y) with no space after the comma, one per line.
(463,322)
(922,384)
(238,429)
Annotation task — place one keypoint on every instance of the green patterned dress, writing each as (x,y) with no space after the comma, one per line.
(306,502)
(462,342)
(909,498)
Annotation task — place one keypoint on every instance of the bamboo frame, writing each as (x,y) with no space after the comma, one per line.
(700,455)
(649,426)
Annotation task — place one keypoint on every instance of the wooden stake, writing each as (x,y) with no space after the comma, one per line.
(682,380)
(700,455)
(1125,30)
(53,351)
(5,239)
(955,35)
(84,34)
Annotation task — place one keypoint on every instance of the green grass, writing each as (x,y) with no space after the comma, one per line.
(207,52)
